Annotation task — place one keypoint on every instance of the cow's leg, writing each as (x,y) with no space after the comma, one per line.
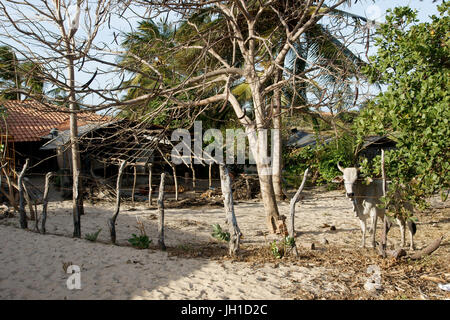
(362,222)
(401,224)
(374,216)
(355,209)
(411,235)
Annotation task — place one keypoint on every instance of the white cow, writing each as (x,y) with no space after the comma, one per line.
(365,199)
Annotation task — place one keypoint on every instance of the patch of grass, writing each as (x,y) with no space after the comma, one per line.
(277,252)
(140,242)
(281,248)
(93,236)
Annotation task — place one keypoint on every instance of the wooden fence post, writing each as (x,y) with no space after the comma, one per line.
(134,184)
(77,209)
(294,200)
(161,243)
(386,225)
(150,169)
(22,213)
(210,175)
(45,201)
(112,220)
(235,232)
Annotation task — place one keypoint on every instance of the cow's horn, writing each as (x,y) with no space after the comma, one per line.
(340,168)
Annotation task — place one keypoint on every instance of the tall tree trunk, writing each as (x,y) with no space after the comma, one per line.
(77,198)
(259,150)
(259,144)
(276,146)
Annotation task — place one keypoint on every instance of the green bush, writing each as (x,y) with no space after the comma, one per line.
(140,242)
(282,248)
(277,251)
(219,234)
(321,159)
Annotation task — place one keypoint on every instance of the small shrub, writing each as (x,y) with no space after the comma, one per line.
(277,252)
(93,236)
(140,242)
(281,248)
(219,234)
(321,159)
(289,241)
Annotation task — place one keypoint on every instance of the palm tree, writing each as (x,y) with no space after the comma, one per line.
(16,76)
(9,77)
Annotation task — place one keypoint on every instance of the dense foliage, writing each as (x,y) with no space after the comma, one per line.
(321,159)
(413,61)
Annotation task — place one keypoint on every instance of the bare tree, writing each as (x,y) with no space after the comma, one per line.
(45,33)
(234,47)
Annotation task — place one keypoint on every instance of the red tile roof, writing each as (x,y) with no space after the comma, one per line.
(31,120)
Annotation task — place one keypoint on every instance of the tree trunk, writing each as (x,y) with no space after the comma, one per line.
(259,150)
(45,201)
(77,198)
(161,243)
(276,146)
(235,233)
(112,220)
(22,213)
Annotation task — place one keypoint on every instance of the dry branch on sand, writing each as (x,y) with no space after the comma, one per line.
(428,250)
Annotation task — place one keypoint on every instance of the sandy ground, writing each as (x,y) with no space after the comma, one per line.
(196,266)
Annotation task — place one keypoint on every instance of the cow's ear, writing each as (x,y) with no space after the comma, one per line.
(338,179)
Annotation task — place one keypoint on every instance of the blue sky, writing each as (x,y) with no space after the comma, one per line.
(367,8)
